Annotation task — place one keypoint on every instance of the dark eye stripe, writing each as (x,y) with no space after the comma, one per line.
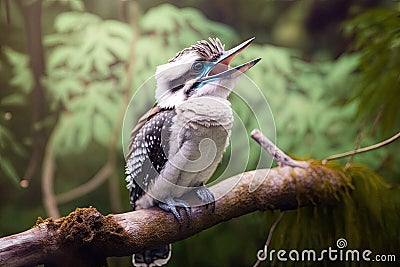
(177,88)
(179,82)
(191,90)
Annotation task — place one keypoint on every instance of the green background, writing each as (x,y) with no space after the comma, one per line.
(330,73)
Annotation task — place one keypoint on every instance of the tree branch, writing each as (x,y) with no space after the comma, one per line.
(86,238)
(98,179)
(278,155)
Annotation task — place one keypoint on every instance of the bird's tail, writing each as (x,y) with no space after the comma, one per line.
(153,257)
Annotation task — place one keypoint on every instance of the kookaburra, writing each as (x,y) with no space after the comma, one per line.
(177,145)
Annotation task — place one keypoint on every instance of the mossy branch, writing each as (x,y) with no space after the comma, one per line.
(86,238)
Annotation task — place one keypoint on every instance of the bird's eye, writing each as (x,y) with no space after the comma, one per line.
(198,66)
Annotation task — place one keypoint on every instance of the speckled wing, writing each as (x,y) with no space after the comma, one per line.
(148,150)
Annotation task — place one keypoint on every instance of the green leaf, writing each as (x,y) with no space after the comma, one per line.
(54,39)
(76,5)
(118,30)
(119,48)
(7,141)
(74,21)
(5,136)
(63,89)
(83,129)
(22,77)
(102,130)
(59,57)
(377,89)
(9,170)
(80,104)
(73,133)
(279,58)
(341,71)
(15,99)
(15,58)
(150,21)
(102,60)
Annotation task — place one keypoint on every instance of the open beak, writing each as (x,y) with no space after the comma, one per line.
(221,68)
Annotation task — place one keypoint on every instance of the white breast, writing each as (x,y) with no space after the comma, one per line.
(201,129)
(199,135)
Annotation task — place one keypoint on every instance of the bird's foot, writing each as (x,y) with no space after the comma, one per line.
(170,205)
(206,196)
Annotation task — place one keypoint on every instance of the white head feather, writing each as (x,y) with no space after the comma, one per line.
(174,73)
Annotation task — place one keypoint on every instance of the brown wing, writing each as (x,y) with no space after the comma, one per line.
(148,151)
(147,116)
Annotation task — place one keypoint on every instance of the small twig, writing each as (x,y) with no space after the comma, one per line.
(49,200)
(281,158)
(271,231)
(377,119)
(364,149)
(356,146)
(97,180)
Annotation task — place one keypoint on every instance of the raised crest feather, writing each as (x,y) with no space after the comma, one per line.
(207,50)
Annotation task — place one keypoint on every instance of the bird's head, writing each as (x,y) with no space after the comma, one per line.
(200,70)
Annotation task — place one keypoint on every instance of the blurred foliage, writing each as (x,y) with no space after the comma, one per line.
(161,39)
(306,99)
(86,84)
(8,144)
(21,79)
(362,218)
(376,35)
(74,5)
(85,76)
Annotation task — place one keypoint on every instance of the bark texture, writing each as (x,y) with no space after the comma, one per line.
(86,238)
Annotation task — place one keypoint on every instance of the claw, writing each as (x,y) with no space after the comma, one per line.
(170,205)
(206,196)
(173,210)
